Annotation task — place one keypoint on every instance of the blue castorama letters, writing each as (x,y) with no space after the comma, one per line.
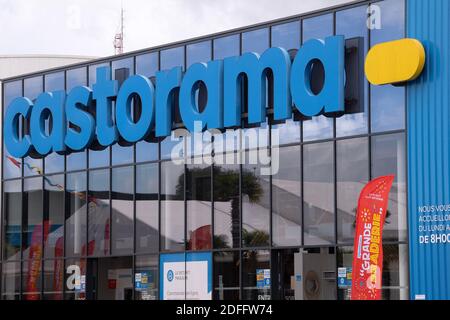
(74,125)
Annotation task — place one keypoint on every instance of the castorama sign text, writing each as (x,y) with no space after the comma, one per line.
(74,128)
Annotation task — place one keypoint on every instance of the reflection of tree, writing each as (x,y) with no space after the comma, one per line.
(254,238)
(226,189)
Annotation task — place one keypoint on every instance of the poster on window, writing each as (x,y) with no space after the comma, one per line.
(186,276)
(368,247)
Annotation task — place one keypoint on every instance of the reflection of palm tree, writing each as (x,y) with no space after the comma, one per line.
(226,189)
(254,238)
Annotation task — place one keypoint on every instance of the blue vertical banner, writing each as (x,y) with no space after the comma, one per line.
(428,123)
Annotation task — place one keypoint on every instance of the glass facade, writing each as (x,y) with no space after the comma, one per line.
(123,208)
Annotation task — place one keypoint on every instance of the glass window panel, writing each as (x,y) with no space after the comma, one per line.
(286,265)
(75,270)
(255,41)
(122,210)
(147,210)
(319,127)
(286,35)
(11,281)
(352,23)
(318,193)
(388,102)
(74,78)
(172,206)
(318,269)
(147,64)
(76,211)
(286,197)
(226,47)
(198,52)
(122,151)
(98,155)
(226,275)
(12,217)
(395,276)
(32,88)
(53,82)
(255,203)
(352,174)
(173,147)
(99,224)
(54,215)
(226,205)
(33,232)
(31,279)
(171,58)
(199,207)
(389,157)
(11,166)
(256,265)
(285,133)
(53,279)
(255,137)
(146,268)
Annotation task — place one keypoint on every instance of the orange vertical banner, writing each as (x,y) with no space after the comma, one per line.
(368,247)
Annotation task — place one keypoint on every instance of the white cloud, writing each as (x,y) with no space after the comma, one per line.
(87,27)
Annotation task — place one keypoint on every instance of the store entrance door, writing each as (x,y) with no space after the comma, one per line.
(109,278)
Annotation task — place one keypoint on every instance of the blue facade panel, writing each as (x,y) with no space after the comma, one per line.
(428,124)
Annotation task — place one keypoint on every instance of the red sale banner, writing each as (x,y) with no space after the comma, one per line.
(368,248)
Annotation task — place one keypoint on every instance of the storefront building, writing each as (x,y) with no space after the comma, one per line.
(128,222)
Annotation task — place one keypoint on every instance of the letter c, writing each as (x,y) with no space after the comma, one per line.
(16,146)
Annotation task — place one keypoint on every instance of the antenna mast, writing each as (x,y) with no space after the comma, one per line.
(118,38)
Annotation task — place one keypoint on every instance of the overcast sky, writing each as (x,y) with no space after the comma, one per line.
(87,27)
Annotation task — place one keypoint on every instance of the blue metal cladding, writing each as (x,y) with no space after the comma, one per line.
(428,124)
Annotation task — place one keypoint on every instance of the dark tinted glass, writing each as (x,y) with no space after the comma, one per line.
(99,221)
(12,217)
(318,193)
(226,275)
(122,210)
(147,217)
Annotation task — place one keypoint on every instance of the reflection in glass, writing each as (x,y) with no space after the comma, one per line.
(33,232)
(54,215)
(286,35)
(395,277)
(11,281)
(76,214)
(146,278)
(12,217)
(388,157)
(255,204)
(352,23)
(226,206)
(11,166)
(172,206)
(255,271)
(255,41)
(31,280)
(147,229)
(318,192)
(147,64)
(122,210)
(98,155)
(226,275)
(76,77)
(319,127)
(287,265)
(171,58)
(32,88)
(285,133)
(286,197)
(318,269)
(122,151)
(99,223)
(199,207)
(352,174)
(388,102)
(53,279)
(226,47)
(198,52)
